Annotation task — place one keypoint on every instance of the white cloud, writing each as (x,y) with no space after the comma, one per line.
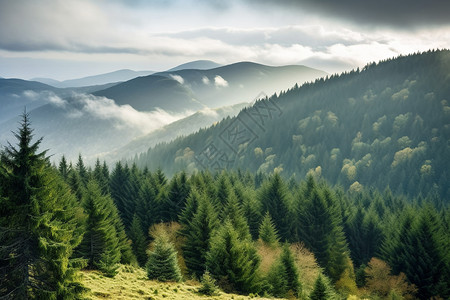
(124,115)
(220,82)
(177,78)
(205,80)
(45,96)
(209,112)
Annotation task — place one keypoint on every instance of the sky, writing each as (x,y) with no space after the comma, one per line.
(66,39)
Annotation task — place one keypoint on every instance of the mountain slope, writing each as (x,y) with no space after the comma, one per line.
(241,82)
(197,65)
(182,127)
(387,125)
(149,92)
(116,76)
(15,94)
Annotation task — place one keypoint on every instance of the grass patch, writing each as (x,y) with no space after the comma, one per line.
(131,283)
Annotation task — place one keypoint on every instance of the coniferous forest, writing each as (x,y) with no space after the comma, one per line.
(327,233)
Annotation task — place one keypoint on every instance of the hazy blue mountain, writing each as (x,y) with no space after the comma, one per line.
(116,76)
(150,92)
(15,94)
(48,81)
(241,82)
(386,125)
(197,65)
(98,119)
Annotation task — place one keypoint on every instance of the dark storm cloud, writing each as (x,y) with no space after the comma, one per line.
(398,13)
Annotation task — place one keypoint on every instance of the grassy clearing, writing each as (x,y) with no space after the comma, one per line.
(132,283)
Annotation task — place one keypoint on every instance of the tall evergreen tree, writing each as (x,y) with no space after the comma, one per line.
(139,241)
(63,168)
(198,233)
(100,245)
(162,261)
(232,261)
(320,290)
(39,225)
(274,199)
(322,232)
(267,231)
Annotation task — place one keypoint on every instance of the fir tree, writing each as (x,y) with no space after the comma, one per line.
(139,241)
(100,245)
(320,290)
(198,232)
(274,199)
(39,225)
(267,231)
(233,262)
(162,261)
(63,168)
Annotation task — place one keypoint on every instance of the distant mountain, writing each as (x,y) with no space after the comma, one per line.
(150,92)
(241,82)
(197,65)
(112,77)
(99,119)
(15,94)
(387,125)
(48,81)
(182,127)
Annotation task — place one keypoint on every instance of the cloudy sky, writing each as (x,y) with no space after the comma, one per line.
(64,39)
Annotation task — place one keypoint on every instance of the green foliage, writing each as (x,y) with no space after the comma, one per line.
(320,291)
(283,277)
(267,231)
(100,245)
(208,285)
(139,242)
(162,261)
(233,262)
(39,225)
(274,199)
(321,229)
(198,232)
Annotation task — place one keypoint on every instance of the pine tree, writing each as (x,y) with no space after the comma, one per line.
(39,225)
(320,290)
(100,245)
(322,232)
(274,199)
(426,265)
(139,241)
(291,270)
(162,261)
(101,175)
(198,232)
(178,192)
(233,212)
(267,231)
(233,262)
(63,168)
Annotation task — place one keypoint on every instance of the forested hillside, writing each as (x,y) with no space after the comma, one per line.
(385,125)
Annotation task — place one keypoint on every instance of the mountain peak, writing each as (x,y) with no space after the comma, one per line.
(197,65)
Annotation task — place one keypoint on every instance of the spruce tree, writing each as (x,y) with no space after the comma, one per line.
(291,270)
(233,212)
(274,199)
(198,232)
(100,245)
(39,225)
(139,241)
(320,290)
(322,232)
(267,231)
(233,262)
(162,261)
